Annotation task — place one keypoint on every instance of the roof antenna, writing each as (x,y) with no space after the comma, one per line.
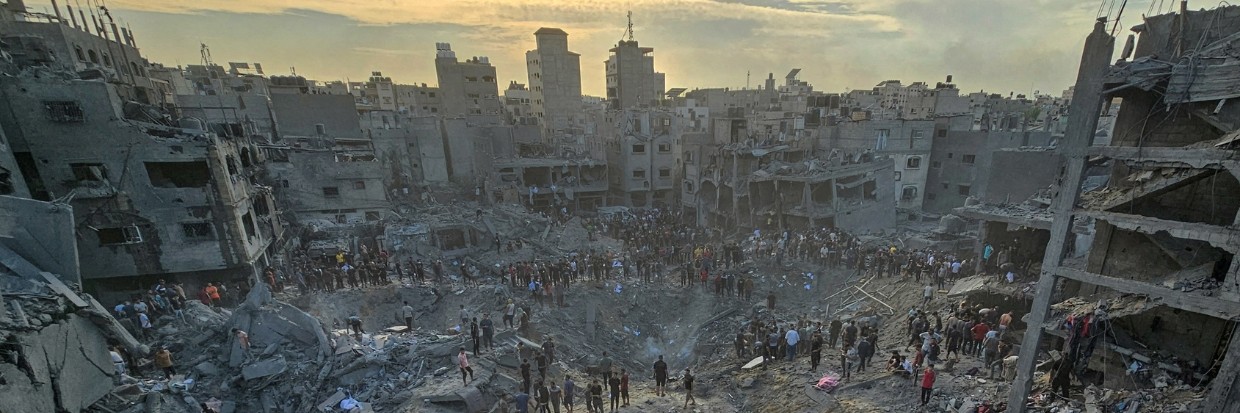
(628,34)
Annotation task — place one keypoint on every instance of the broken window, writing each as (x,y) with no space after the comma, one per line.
(197,230)
(639,149)
(232,164)
(178,174)
(89,172)
(665,173)
(120,235)
(284,183)
(963,189)
(968,159)
(372,216)
(331,192)
(639,174)
(909,192)
(665,147)
(247,221)
(64,111)
(359,185)
(913,162)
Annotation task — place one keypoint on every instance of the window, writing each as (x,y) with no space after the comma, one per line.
(372,216)
(178,174)
(64,111)
(942,133)
(284,183)
(331,192)
(913,162)
(118,236)
(880,139)
(899,175)
(197,230)
(908,192)
(89,172)
(247,221)
(688,187)
(949,155)
(471,79)
(935,164)
(639,174)
(94,57)
(963,189)
(968,159)
(432,94)
(80,56)
(639,149)
(359,185)
(930,196)
(665,173)
(688,157)
(917,134)
(946,185)
(665,147)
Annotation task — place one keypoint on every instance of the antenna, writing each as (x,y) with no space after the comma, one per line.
(206,54)
(293,69)
(628,34)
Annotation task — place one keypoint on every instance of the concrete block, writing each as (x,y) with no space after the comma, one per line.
(264,368)
(207,369)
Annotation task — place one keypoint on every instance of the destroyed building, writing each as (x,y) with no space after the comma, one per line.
(153,196)
(1157,282)
(641,155)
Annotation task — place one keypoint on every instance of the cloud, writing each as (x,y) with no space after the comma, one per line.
(840,44)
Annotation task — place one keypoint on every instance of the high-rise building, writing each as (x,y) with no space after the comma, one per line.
(631,79)
(555,82)
(468,88)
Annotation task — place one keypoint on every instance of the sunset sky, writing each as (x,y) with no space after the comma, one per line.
(995,45)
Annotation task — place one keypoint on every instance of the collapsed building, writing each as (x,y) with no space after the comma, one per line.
(1137,284)
(154,194)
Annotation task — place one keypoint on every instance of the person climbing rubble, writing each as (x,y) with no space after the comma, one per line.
(688,380)
(463,362)
(407,312)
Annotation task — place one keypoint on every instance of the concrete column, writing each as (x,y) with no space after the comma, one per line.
(980,248)
(1224,395)
(1082,122)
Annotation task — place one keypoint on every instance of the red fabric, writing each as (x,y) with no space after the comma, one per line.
(980,330)
(927,379)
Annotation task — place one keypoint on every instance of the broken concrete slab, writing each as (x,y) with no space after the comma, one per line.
(757,361)
(60,288)
(264,368)
(329,405)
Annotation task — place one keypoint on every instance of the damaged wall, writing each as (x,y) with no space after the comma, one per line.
(148,200)
(300,115)
(60,367)
(42,234)
(320,185)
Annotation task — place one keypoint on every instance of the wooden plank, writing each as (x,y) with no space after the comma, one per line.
(62,289)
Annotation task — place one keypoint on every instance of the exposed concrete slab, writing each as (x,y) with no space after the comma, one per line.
(264,368)
(62,289)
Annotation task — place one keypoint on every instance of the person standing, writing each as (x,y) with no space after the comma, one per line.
(556,394)
(488,331)
(163,360)
(407,312)
(624,387)
(927,383)
(864,352)
(569,389)
(463,361)
(510,312)
(792,337)
(596,397)
(815,350)
(543,396)
(689,389)
(613,384)
(523,402)
(660,377)
(475,334)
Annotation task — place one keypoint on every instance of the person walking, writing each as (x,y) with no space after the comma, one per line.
(543,396)
(815,350)
(660,377)
(864,352)
(488,331)
(463,361)
(927,383)
(689,389)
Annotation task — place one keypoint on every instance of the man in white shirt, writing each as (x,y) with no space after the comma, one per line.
(792,337)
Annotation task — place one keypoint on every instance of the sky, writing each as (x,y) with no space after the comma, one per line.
(1000,46)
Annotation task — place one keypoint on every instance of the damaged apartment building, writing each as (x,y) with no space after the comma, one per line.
(154,194)
(1138,280)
